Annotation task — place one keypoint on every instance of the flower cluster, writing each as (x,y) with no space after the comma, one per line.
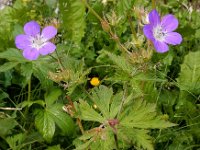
(160,32)
(33,43)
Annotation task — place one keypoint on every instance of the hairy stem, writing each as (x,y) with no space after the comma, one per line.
(78,119)
(153,4)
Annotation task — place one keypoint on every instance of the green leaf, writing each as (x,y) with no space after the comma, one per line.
(52,96)
(55,147)
(189,77)
(139,137)
(26,71)
(143,115)
(62,120)
(6,125)
(87,113)
(101,97)
(41,68)
(15,141)
(121,62)
(45,124)
(7,66)
(116,104)
(13,54)
(124,6)
(30,103)
(73,16)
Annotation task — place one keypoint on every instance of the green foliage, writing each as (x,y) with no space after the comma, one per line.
(133,121)
(189,77)
(140,94)
(46,119)
(73,14)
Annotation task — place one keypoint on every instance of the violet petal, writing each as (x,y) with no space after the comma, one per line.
(169,23)
(154,18)
(161,47)
(22,41)
(31,53)
(49,32)
(173,38)
(148,31)
(47,48)
(32,28)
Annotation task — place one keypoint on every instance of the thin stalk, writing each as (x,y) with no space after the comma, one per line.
(60,62)
(28,99)
(78,119)
(122,102)
(92,10)
(114,37)
(153,4)
(131,26)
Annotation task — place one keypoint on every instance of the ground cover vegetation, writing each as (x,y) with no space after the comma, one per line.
(99,74)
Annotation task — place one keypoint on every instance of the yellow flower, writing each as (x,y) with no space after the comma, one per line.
(95,81)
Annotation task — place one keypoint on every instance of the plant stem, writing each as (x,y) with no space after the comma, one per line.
(123,100)
(78,119)
(92,10)
(131,26)
(114,36)
(153,4)
(28,99)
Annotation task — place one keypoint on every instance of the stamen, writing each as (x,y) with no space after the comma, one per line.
(159,34)
(38,41)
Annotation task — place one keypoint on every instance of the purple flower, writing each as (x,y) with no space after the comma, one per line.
(160,32)
(33,43)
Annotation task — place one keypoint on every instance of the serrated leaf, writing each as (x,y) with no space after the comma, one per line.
(62,120)
(13,54)
(73,16)
(55,147)
(124,6)
(189,77)
(115,104)
(7,66)
(52,96)
(139,137)
(101,97)
(41,68)
(143,115)
(6,125)
(87,113)
(15,141)
(45,124)
(121,62)
(30,103)
(26,71)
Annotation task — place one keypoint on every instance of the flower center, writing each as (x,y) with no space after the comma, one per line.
(38,41)
(159,34)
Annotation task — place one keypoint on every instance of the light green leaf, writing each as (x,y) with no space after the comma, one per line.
(52,96)
(13,54)
(116,104)
(30,103)
(121,62)
(101,97)
(73,16)
(62,119)
(6,125)
(55,147)
(139,137)
(143,115)
(26,71)
(189,77)
(7,66)
(15,141)
(87,113)
(45,124)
